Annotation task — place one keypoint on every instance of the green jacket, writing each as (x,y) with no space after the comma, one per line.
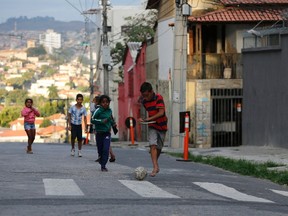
(98,117)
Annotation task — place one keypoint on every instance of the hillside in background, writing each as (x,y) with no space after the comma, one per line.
(40,24)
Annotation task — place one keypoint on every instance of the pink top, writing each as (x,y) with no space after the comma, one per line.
(29,114)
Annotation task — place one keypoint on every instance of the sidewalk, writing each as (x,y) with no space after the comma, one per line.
(252,153)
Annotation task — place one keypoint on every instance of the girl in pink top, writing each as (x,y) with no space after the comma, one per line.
(29,113)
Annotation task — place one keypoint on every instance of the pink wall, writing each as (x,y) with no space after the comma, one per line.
(128,104)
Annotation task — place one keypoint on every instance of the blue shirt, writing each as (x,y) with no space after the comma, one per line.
(76,114)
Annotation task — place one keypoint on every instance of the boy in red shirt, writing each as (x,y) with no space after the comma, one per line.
(154,105)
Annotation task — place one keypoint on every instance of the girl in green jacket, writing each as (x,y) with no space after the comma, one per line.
(103,121)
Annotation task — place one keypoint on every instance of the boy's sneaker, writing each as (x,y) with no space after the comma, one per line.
(72,152)
(79,154)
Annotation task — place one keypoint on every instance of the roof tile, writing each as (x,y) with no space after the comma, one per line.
(11,133)
(232,14)
(255,2)
(50,130)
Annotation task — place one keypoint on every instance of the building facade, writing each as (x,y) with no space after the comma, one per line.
(129,90)
(50,40)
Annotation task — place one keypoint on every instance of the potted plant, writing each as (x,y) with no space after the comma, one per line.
(228,58)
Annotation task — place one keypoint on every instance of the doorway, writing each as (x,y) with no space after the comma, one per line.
(226,117)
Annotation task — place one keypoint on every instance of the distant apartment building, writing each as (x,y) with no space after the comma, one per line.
(41,87)
(69,69)
(50,40)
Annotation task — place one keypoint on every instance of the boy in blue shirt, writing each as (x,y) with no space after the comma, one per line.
(75,114)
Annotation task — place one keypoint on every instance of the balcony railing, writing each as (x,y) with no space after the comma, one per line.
(210,66)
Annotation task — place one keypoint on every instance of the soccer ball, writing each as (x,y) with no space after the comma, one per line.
(140,173)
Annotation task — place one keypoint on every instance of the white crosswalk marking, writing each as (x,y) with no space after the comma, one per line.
(147,189)
(61,187)
(229,192)
(284,193)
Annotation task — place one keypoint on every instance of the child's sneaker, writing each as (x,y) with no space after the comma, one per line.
(112,159)
(79,154)
(29,150)
(72,152)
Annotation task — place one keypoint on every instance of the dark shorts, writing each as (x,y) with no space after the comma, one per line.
(76,132)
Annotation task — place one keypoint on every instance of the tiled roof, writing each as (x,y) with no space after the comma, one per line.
(50,130)
(56,116)
(11,133)
(20,121)
(233,14)
(255,2)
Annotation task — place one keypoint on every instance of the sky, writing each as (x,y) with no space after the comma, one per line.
(62,10)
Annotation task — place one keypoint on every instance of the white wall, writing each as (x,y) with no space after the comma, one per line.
(116,18)
(165,48)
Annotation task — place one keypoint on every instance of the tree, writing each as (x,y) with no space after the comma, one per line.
(46,122)
(28,75)
(36,51)
(9,114)
(71,84)
(117,52)
(17,97)
(16,82)
(138,29)
(20,82)
(83,88)
(6,68)
(3,94)
(48,109)
(141,27)
(60,56)
(48,70)
(53,92)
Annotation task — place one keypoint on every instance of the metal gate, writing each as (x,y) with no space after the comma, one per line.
(226,117)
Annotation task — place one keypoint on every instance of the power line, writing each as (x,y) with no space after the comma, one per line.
(81,13)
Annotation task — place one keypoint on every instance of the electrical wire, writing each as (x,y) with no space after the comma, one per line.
(84,51)
(83,14)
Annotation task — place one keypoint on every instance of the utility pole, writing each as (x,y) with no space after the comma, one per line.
(106,48)
(176,140)
(89,43)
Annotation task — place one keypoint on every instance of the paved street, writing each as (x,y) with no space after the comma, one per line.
(51,182)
